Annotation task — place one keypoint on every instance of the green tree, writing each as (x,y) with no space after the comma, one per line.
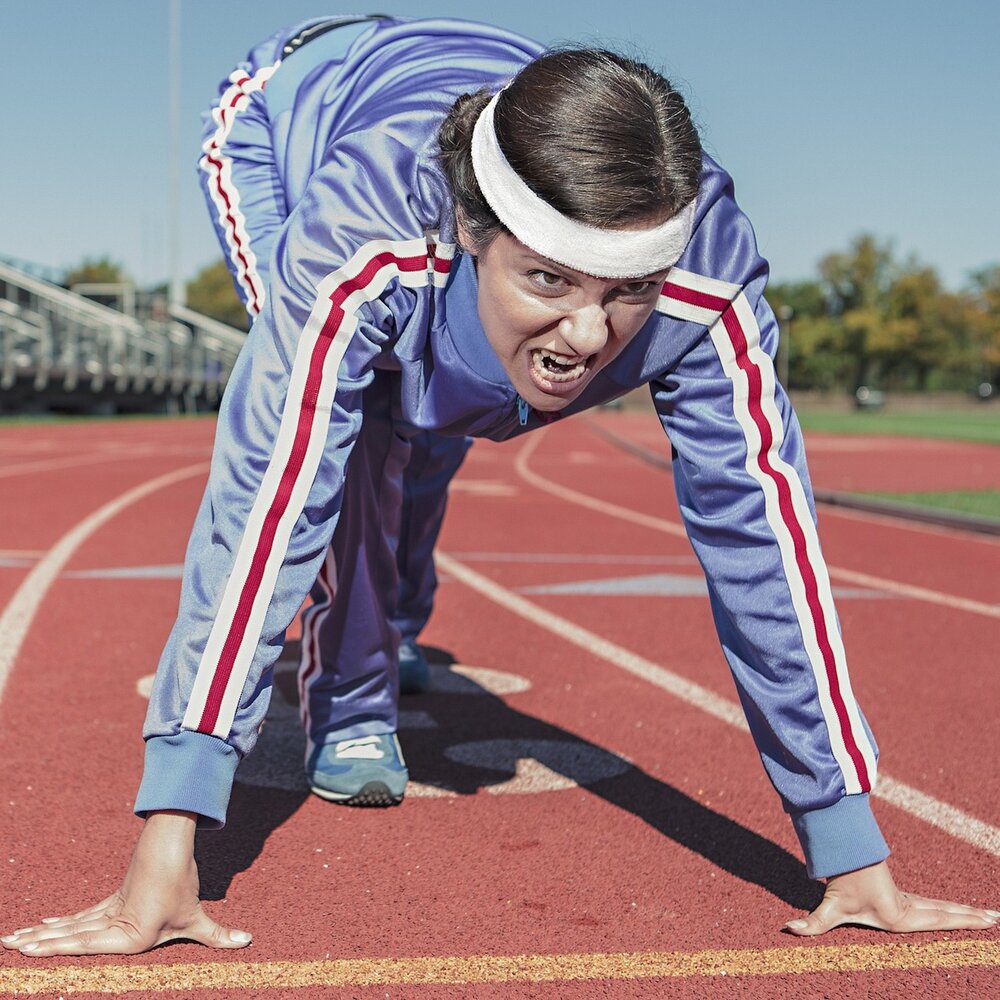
(857,285)
(213,293)
(800,308)
(984,318)
(96,270)
(919,330)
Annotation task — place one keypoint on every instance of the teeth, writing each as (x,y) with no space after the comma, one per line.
(561,374)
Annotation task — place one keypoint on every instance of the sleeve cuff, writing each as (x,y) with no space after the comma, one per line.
(192,772)
(840,838)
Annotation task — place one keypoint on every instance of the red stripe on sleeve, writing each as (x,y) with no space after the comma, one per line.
(693,298)
(738,340)
(331,328)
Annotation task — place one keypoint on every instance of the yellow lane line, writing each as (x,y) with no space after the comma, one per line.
(467,970)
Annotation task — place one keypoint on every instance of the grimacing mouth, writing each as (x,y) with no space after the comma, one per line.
(553,366)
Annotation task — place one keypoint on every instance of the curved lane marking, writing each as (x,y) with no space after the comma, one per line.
(463,970)
(673,528)
(927,808)
(20,611)
(911,800)
(47,465)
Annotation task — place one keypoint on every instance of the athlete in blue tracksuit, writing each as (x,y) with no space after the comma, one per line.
(368,310)
(375,326)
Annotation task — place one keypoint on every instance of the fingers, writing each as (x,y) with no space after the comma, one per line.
(89,911)
(206,931)
(48,932)
(57,926)
(915,914)
(95,931)
(104,940)
(924,903)
(824,918)
(103,937)
(921,914)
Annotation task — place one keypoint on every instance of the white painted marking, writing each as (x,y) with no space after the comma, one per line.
(538,765)
(667,680)
(587,558)
(918,593)
(479,680)
(31,468)
(483,488)
(673,528)
(20,611)
(940,814)
(161,572)
(925,807)
(900,524)
(107,451)
(583,500)
(277,759)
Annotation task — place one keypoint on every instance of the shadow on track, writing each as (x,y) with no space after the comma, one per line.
(460,738)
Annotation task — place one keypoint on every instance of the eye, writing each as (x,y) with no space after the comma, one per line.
(548,281)
(635,290)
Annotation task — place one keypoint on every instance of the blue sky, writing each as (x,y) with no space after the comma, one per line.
(834,118)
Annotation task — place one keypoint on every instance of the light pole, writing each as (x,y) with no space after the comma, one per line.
(176,287)
(785,314)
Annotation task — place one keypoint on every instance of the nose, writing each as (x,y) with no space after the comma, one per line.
(585,330)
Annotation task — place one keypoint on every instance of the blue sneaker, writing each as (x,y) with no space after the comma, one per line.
(366,771)
(414,674)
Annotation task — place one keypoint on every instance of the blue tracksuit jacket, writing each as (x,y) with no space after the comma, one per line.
(370,311)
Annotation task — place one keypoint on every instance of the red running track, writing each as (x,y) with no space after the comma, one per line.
(574,830)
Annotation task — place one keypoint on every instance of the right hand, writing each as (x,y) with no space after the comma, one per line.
(157,902)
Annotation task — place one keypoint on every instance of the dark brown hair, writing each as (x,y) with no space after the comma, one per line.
(602,138)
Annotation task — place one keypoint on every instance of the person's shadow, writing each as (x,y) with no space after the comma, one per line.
(460,737)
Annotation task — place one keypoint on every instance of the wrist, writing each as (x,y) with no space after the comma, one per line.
(170,832)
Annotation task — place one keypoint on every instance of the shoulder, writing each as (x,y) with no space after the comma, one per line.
(723,245)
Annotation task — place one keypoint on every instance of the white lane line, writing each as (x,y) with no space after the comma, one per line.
(939,814)
(586,558)
(107,453)
(899,524)
(673,528)
(924,807)
(47,465)
(681,687)
(20,611)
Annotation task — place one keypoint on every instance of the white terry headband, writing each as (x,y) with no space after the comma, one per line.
(607,253)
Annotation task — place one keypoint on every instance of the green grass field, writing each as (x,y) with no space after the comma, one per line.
(977,424)
(981,503)
(982,425)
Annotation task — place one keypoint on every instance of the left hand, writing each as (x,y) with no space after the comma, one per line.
(869,896)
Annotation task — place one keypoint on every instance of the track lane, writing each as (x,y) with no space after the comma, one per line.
(892,634)
(554,873)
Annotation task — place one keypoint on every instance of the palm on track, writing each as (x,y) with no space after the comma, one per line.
(158,902)
(870,897)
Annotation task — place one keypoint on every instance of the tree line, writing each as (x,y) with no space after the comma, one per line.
(867,318)
(870,319)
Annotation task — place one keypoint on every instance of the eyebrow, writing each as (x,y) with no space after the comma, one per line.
(530,256)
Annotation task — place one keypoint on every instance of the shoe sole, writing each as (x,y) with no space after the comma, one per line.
(375,794)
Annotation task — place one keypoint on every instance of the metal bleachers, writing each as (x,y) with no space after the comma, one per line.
(61,351)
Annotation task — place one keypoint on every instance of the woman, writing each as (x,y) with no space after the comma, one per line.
(481,265)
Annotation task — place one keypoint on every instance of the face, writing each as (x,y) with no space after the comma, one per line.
(554,328)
